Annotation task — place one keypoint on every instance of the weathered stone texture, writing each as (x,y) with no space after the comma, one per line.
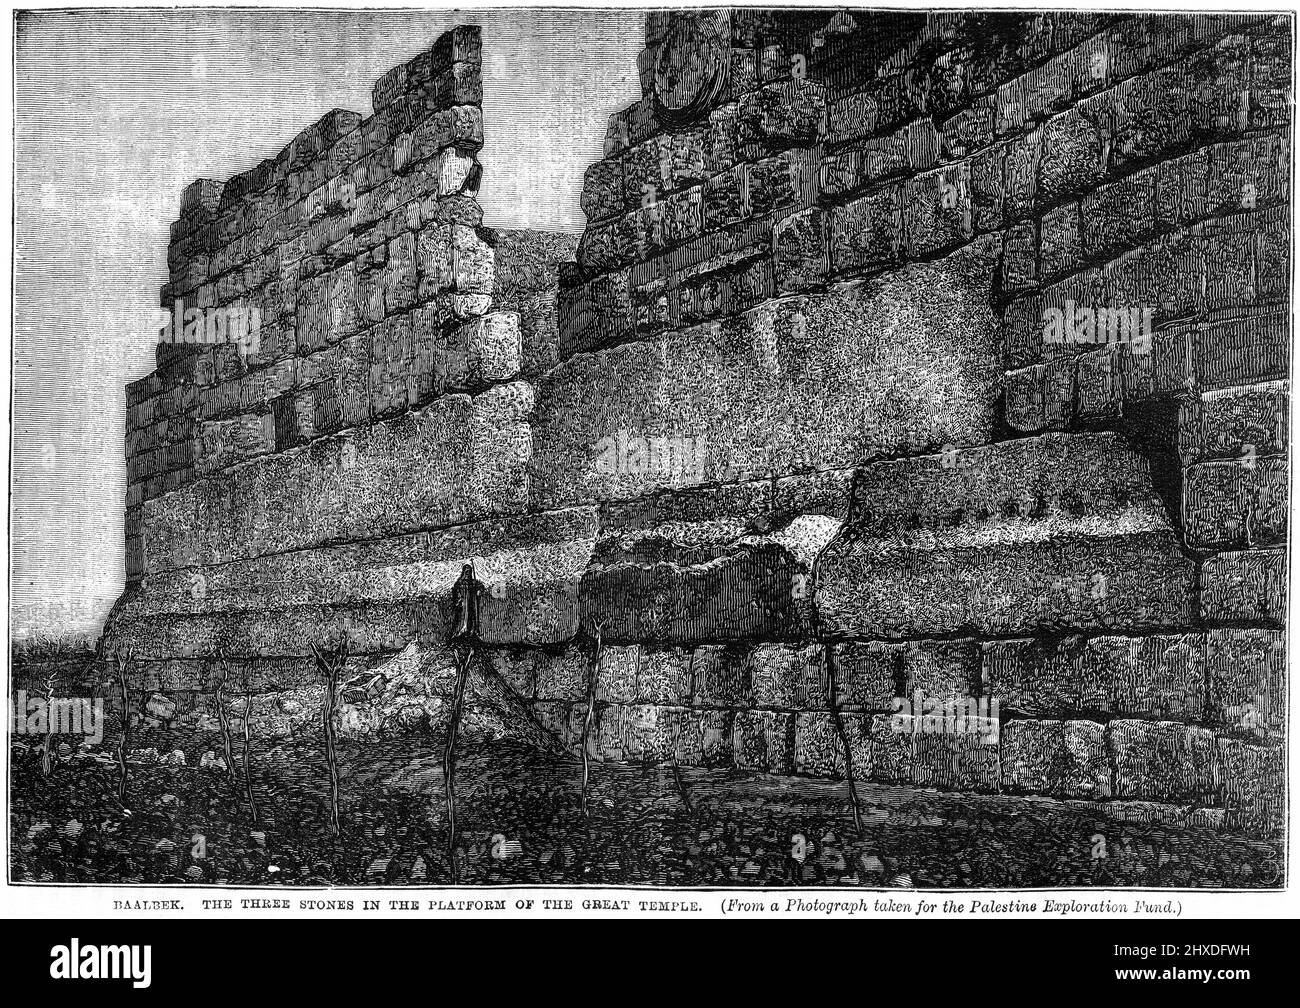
(762,428)
(1053,530)
(818,382)
(461,459)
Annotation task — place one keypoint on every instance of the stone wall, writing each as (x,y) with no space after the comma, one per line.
(903,356)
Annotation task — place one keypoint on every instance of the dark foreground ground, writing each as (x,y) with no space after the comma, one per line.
(520,821)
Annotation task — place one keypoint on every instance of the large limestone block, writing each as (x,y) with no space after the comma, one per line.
(529,569)
(720,563)
(460,459)
(286,631)
(1043,533)
(904,363)
(1161,675)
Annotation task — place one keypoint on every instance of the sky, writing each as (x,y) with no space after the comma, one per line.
(116,112)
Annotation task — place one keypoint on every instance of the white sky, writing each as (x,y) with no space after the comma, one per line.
(116,112)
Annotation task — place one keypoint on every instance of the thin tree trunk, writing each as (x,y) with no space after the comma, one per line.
(832,691)
(123,660)
(47,747)
(331,753)
(223,719)
(248,780)
(681,786)
(588,722)
(449,757)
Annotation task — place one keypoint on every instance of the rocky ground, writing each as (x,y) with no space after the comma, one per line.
(520,821)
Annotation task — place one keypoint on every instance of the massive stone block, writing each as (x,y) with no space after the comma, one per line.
(713,563)
(763,741)
(529,569)
(1161,676)
(1056,757)
(1161,760)
(1236,503)
(1247,681)
(1253,779)
(460,459)
(900,364)
(1245,586)
(1061,530)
